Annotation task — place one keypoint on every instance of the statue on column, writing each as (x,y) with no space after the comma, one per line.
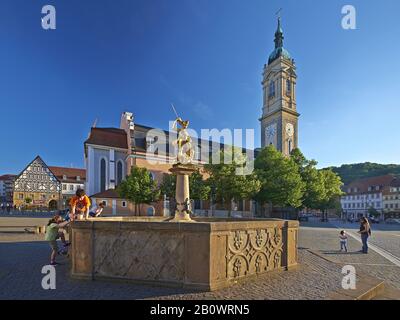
(184,144)
(183,168)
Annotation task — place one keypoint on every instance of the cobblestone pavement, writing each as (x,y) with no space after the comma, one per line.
(20,278)
(23,255)
(325,241)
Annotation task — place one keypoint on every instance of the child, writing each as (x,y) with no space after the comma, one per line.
(343,240)
(97,210)
(53,233)
(80,205)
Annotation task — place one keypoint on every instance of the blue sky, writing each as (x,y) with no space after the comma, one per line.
(206,56)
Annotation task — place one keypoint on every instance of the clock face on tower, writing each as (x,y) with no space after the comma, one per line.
(289,129)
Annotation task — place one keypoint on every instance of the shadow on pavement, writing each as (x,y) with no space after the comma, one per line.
(341,252)
(21,277)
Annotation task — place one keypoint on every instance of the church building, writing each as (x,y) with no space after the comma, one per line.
(110,153)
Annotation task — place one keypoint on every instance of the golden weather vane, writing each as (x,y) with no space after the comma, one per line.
(278,13)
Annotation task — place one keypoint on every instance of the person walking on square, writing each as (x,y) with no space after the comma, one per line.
(53,233)
(80,205)
(365,232)
(343,240)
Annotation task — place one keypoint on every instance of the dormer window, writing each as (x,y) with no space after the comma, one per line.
(78,178)
(64,177)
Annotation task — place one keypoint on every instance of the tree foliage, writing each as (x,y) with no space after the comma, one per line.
(199,188)
(139,187)
(225,182)
(332,186)
(352,172)
(314,191)
(168,185)
(281,182)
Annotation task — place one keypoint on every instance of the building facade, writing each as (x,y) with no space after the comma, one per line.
(7,188)
(71,180)
(110,153)
(391,199)
(279,120)
(37,187)
(365,196)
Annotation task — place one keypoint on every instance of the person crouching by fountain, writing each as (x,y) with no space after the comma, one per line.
(53,233)
(80,205)
(97,210)
(365,231)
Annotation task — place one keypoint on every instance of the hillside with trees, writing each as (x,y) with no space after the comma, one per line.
(351,172)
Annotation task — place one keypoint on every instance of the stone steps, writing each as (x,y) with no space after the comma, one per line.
(367,287)
(389,293)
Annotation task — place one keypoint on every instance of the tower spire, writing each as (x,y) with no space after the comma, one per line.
(279,35)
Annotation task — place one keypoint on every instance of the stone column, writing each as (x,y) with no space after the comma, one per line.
(182,193)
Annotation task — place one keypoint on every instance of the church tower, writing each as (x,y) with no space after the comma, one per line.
(279,121)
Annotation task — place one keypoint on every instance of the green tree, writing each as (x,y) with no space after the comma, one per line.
(332,189)
(225,182)
(314,191)
(373,212)
(168,185)
(199,188)
(351,172)
(281,183)
(139,188)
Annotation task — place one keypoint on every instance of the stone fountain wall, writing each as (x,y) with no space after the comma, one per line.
(207,254)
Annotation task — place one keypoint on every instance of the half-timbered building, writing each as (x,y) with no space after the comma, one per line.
(37,186)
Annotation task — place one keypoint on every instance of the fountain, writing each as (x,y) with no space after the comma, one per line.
(199,253)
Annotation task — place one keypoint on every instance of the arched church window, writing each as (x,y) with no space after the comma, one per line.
(272,89)
(102,175)
(288,86)
(119,172)
(290,146)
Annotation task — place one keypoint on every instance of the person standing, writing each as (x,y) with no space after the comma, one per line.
(365,232)
(343,240)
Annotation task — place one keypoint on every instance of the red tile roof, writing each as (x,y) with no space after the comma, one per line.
(108,194)
(70,173)
(5,177)
(363,184)
(110,137)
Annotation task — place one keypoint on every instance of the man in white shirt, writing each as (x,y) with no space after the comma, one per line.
(97,210)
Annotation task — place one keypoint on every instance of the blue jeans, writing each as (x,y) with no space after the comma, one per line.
(343,245)
(364,239)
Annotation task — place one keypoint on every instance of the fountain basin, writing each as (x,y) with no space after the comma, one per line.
(204,254)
